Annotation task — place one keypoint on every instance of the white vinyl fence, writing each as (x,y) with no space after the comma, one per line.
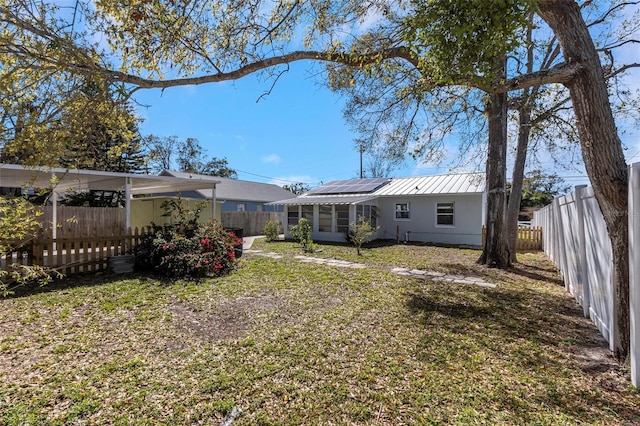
(575,238)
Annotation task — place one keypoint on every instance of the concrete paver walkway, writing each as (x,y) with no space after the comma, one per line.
(413,273)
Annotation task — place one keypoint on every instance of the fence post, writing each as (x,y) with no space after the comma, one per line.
(560,245)
(634,271)
(582,255)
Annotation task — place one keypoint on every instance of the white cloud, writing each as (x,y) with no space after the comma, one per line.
(287,180)
(271,159)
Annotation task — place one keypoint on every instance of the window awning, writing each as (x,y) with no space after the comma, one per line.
(337,200)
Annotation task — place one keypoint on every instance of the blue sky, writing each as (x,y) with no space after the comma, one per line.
(295,134)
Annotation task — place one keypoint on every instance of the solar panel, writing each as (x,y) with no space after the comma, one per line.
(350,186)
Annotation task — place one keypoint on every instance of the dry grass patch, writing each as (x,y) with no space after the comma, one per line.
(296,343)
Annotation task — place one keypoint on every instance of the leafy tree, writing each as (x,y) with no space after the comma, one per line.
(539,189)
(190,157)
(218,167)
(159,152)
(297,188)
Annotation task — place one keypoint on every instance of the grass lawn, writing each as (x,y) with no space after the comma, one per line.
(296,343)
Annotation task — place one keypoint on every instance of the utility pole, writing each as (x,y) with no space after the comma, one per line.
(361,149)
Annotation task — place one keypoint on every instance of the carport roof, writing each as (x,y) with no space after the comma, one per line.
(17,176)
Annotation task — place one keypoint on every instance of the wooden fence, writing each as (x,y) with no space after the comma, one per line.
(72,255)
(529,238)
(252,223)
(84,221)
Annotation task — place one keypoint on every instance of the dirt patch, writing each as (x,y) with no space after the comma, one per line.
(229,319)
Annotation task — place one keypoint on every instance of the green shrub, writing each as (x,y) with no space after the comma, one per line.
(360,232)
(208,250)
(302,234)
(19,224)
(272,230)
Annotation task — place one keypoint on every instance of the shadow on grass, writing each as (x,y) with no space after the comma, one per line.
(70,282)
(537,332)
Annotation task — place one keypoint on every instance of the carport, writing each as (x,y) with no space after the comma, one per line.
(61,180)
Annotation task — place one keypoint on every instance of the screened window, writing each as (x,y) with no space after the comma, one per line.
(444,214)
(369,213)
(324,218)
(342,218)
(292,217)
(307,213)
(402,211)
(260,208)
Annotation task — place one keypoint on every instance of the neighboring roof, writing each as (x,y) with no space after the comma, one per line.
(235,189)
(17,176)
(463,183)
(334,199)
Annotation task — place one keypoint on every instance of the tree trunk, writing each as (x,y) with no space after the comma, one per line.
(513,206)
(495,252)
(601,146)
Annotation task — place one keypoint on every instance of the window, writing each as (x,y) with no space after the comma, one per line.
(307,213)
(444,214)
(342,218)
(369,213)
(292,216)
(241,207)
(260,208)
(402,211)
(324,218)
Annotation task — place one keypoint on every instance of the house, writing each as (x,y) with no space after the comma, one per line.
(445,209)
(235,194)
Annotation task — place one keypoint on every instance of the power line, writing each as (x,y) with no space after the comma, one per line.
(271,178)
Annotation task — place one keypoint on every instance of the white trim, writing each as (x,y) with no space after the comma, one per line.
(396,211)
(453,215)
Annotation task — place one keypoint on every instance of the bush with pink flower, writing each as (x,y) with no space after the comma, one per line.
(206,251)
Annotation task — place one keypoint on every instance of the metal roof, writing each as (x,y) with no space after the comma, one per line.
(235,189)
(331,199)
(463,183)
(17,176)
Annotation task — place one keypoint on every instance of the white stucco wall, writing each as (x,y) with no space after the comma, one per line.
(325,236)
(421,226)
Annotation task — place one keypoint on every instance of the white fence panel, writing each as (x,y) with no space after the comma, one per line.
(634,271)
(569,229)
(600,267)
(575,238)
(586,268)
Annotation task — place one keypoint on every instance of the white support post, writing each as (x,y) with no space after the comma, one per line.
(634,271)
(213,203)
(127,213)
(54,229)
(582,252)
(127,205)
